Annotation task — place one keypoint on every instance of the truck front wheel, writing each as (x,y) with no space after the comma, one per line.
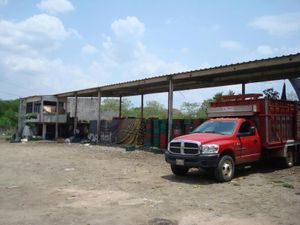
(225,170)
(179,170)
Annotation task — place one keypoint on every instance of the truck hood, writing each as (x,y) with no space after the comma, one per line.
(204,138)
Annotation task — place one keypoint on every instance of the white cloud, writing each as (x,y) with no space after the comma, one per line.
(89,49)
(125,57)
(45,76)
(24,47)
(39,32)
(3,2)
(283,24)
(130,27)
(55,6)
(266,50)
(230,44)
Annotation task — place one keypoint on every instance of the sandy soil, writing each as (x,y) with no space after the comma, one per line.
(43,183)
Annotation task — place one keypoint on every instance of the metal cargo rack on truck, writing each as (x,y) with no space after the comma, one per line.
(278,121)
(241,130)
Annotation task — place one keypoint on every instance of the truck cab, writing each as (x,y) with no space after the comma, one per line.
(237,138)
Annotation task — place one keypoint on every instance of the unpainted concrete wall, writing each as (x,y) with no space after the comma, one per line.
(87,109)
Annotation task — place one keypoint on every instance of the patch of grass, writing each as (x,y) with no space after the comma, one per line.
(4,138)
(234,183)
(278,181)
(287,185)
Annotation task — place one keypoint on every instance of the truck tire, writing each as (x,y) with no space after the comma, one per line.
(225,169)
(179,170)
(289,160)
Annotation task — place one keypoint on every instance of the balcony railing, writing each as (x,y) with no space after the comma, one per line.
(48,118)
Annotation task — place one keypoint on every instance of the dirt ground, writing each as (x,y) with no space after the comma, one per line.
(50,183)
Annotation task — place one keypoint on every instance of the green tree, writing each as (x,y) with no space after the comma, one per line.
(155,109)
(190,110)
(177,114)
(9,114)
(271,93)
(113,104)
(202,113)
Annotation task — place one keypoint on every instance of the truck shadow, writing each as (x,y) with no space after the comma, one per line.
(203,177)
(194,176)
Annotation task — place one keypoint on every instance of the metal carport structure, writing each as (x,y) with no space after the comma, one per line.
(283,67)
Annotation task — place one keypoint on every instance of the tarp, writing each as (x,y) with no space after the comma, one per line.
(109,130)
(125,131)
(93,127)
(130,132)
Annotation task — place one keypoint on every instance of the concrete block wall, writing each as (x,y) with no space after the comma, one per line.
(87,109)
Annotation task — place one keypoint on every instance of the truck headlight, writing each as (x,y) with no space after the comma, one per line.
(210,148)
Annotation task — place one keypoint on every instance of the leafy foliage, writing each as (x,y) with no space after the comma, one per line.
(31,116)
(113,104)
(188,110)
(270,93)
(8,113)
(202,113)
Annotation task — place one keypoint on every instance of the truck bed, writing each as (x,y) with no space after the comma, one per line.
(278,121)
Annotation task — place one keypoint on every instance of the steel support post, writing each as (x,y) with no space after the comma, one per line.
(142,106)
(56,121)
(44,131)
(99,117)
(44,125)
(42,110)
(170,110)
(120,107)
(75,114)
(243,88)
(20,118)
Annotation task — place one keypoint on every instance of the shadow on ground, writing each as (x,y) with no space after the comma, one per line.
(199,176)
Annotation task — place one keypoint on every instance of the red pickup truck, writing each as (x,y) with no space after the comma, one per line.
(241,130)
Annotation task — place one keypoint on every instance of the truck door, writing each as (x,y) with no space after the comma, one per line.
(250,145)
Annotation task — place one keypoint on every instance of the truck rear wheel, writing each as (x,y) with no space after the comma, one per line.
(289,160)
(179,170)
(225,170)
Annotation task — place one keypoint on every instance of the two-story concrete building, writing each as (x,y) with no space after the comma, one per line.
(53,117)
(45,112)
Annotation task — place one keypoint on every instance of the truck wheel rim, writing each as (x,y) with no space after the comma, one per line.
(290,158)
(227,169)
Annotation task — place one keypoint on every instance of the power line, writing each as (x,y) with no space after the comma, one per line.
(182,95)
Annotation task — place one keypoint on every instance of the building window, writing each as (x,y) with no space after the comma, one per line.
(37,107)
(29,107)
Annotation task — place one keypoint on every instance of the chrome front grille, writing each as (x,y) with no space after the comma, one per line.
(185,147)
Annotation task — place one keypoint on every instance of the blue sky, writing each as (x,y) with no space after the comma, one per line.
(51,46)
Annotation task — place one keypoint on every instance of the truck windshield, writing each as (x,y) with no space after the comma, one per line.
(216,126)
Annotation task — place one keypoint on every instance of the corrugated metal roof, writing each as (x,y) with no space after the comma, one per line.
(280,67)
(208,68)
